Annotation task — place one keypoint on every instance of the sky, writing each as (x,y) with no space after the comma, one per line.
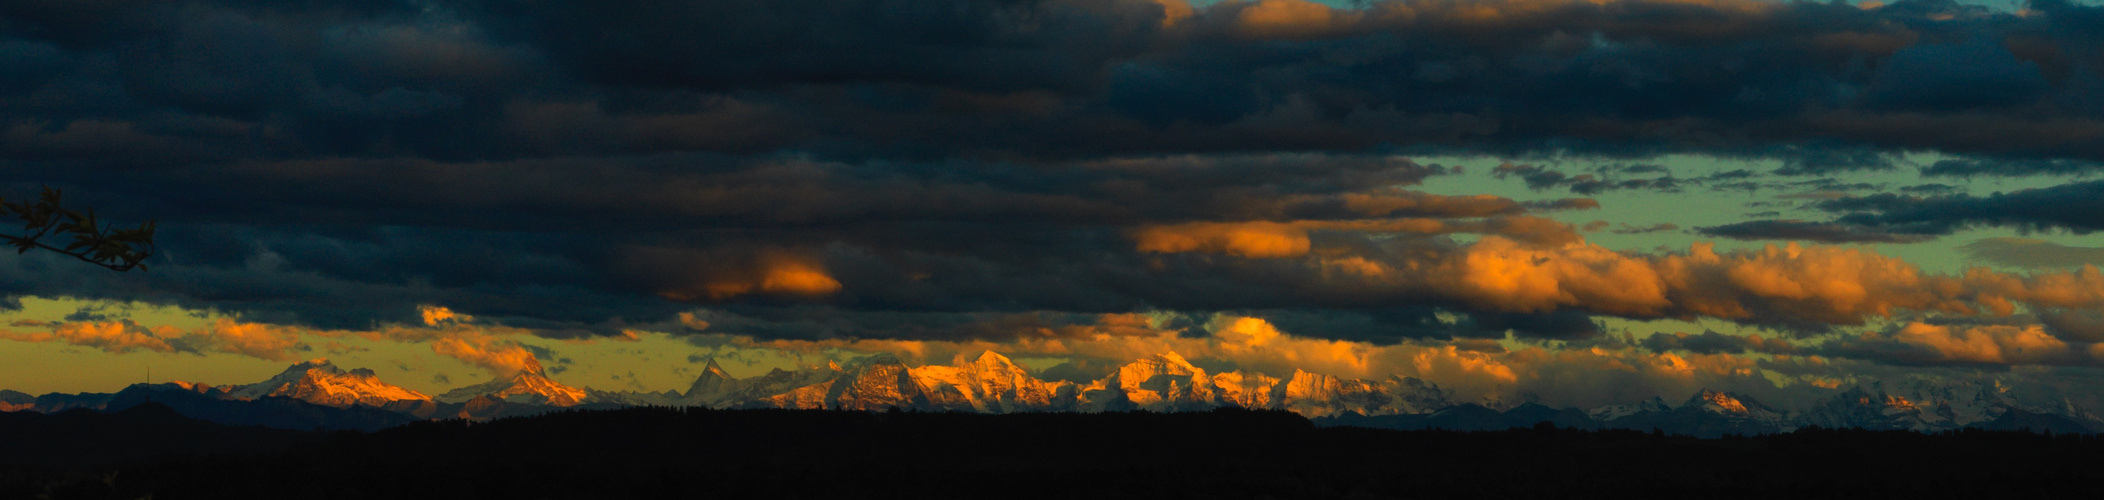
(1573,202)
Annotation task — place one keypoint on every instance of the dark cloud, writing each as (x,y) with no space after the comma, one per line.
(1931,189)
(977,45)
(1636,169)
(1559,325)
(1654,228)
(1822,187)
(1824,232)
(1976,344)
(1979,72)
(2031,253)
(1909,216)
(1564,204)
(1615,178)
(1711,342)
(1392,325)
(1896,218)
(968,168)
(92,313)
(1540,178)
(2063,207)
(1977,167)
(1811,84)
(1833,160)
(2086,325)
(828,323)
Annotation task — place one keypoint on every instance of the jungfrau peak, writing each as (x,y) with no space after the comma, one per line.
(320,382)
(1163,382)
(990,383)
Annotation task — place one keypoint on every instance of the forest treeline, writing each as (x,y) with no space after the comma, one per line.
(695,453)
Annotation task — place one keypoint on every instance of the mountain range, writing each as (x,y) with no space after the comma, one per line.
(317,394)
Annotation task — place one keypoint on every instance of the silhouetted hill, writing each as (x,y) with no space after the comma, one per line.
(58,402)
(144,431)
(2020,420)
(670,453)
(273,412)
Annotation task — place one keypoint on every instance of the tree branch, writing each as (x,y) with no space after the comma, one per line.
(114,248)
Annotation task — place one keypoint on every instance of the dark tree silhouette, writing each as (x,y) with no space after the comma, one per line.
(109,246)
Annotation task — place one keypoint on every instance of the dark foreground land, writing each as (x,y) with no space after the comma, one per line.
(152,452)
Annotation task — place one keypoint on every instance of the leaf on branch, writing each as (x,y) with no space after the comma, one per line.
(109,246)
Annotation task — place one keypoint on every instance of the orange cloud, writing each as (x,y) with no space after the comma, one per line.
(1287,18)
(1247,332)
(257,340)
(1265,239)
(433,315)
(1823,284)
(1998,344)
(1246,239)
(111,336)
(1175,11)
(501,358)
(1416,203)
(275,343)
(1451,363)
(1786,284)
(1923,343)
(1834,285)
(799,278)
(1500,274)
(772,273)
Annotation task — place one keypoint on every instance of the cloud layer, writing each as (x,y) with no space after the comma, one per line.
(1012,171)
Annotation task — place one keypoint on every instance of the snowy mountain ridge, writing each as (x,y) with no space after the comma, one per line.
(993,383)
(320,382)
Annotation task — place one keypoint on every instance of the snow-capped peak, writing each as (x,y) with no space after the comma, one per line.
(716,370)
(1612,412)
(1177,360)
(320,382)
(530,386)
(991,360)
(710,383)
(1719,402)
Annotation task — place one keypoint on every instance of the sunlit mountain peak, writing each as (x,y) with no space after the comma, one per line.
(321,382)
(527,386)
